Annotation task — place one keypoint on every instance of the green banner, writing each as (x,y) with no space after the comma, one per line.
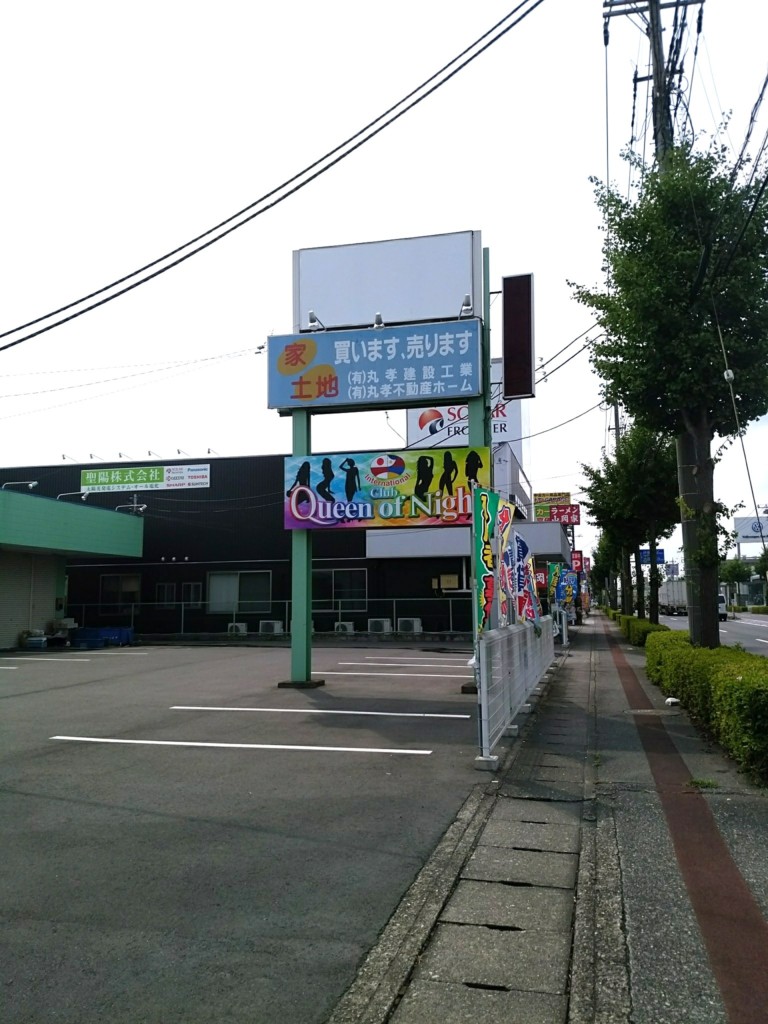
(553,578)
(486,505)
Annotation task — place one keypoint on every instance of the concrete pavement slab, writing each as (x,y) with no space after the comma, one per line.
(427,1001)
(522,867)
(543,789)
(510,906)
(526,835)
(542,811)
(532,961)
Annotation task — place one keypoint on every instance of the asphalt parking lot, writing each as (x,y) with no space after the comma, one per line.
(184,841)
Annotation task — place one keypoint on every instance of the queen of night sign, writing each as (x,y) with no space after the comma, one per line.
(383,489)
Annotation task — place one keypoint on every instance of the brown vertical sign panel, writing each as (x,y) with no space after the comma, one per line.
(517,297)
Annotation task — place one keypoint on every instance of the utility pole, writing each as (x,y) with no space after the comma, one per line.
(691,462)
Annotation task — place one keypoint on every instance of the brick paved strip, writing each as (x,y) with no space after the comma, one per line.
(733,928)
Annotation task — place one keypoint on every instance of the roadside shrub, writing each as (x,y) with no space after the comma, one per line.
(726,690)
(624,624)
(759,609)
(656,647)
(740,712)
(640,628)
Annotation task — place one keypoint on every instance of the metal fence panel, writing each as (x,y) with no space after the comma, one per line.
(512,661)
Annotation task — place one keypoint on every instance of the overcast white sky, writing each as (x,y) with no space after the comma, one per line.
(130,128)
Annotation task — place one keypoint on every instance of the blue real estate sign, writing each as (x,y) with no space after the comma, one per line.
(363,368)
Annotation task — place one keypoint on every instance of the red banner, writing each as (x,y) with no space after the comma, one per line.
(577,562)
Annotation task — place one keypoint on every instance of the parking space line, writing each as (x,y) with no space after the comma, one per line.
(406,664)
(34,660)
(761,641)
(243,746)
(316,711)
(444,659)
(8,668)
(397,675)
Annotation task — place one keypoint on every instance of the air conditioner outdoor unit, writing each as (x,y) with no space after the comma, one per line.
(409,626)
(270,626)
(344,627)
(238,628)
(379,625)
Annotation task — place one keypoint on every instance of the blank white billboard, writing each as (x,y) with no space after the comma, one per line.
(406,280)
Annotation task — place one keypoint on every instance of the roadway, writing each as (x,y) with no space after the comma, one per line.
(751,631)
(185,842)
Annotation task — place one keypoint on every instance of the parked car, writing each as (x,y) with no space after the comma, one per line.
(722,608)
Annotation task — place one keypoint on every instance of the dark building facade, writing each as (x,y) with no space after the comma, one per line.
(217,559)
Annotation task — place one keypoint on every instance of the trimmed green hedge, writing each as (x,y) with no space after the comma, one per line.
(725,689)
(759,609)
(636,630)
(657,648)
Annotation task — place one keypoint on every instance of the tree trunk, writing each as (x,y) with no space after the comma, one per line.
(698,515)
(640,577)
(613,596)
(627,601)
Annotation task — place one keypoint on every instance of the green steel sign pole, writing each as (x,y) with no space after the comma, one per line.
(300,623)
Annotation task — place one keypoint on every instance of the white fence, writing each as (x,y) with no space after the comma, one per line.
(511,661)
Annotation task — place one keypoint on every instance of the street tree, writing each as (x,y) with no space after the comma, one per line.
(633,497)
(761,565)
(734,570)
(685,316)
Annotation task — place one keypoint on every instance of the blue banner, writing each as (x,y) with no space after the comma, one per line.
(364,368)
(567,587)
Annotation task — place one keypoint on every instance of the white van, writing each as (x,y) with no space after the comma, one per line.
(722,610)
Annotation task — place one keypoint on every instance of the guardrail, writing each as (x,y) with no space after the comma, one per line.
(511,662)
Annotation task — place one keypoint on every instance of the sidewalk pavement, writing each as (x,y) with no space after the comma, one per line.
(615,870)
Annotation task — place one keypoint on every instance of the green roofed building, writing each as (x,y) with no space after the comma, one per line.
(37,537)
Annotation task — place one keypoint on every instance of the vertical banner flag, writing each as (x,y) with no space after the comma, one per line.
(505,561)
(486,504)
(553,578)
(534,604)
(522,594)
(567,587)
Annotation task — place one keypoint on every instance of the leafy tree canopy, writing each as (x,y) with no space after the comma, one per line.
(687,265)
(633,497)
(734,570)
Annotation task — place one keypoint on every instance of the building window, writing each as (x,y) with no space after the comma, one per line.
(119,592)
(192,595)
(322,590)
(343,590)
(165,595)
(240,592)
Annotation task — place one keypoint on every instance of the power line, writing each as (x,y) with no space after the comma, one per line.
(319,167)
(178,364)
